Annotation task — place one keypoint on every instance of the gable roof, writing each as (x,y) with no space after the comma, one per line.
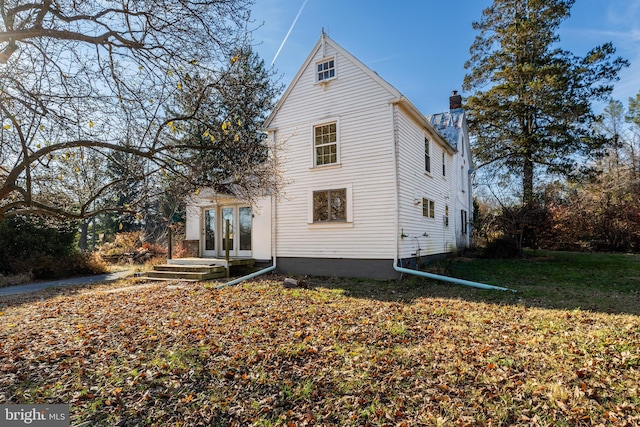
(398,98)
(325,39)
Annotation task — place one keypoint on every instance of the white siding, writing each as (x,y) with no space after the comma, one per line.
(418,233)
(462,188)
(261,229)
(373,121)
(192,225)
(360,105)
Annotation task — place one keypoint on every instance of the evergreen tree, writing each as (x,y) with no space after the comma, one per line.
(226,148)
(531,111)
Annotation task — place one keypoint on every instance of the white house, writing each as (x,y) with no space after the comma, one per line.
(369,181)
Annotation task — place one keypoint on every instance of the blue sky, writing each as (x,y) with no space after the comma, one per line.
(420,46)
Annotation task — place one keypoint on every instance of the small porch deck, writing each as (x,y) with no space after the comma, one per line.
(233,261)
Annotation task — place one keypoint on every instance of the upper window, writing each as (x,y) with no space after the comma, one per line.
(330,205)
(444,165)
(427,155)
(326,70)
(325,144)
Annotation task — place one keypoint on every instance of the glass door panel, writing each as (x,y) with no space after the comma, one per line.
(244,221)
(209,232)
(227,214)
(214,231)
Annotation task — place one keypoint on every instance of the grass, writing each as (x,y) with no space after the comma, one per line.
(564,280)
(562,351)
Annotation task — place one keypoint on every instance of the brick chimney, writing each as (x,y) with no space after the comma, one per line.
(455,100)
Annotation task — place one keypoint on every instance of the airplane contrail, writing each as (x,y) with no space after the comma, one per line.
(289,32)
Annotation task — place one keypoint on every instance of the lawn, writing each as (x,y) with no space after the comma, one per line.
(565,350)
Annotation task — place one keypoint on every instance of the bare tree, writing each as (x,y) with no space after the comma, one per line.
(81,81)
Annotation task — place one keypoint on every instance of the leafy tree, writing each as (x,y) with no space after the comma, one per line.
(531,111)
(86,83)
(127,174)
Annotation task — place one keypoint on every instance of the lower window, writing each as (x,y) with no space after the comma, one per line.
(428,208)
(463,221)
(330,205)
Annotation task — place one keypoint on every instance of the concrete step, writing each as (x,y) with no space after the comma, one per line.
(212,261)
(196,269)
(190,272)
(189,268)
(184,275)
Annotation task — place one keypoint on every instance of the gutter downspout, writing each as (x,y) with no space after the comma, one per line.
(396,201)
(249,276)
(470,216)
(274,258)
(449,279)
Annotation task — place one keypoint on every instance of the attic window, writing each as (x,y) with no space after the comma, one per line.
(326,70)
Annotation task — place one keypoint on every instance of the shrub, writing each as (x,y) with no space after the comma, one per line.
(40,248)
(16,279)
(501,248)
(25,236)
(123,243)
(130,247)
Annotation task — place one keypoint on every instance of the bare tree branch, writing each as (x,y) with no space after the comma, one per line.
(99,101)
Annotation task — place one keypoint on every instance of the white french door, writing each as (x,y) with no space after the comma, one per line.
(214,231)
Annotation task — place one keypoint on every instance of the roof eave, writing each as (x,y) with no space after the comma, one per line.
(423,121)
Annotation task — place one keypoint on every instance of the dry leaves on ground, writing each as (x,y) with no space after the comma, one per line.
(259,354)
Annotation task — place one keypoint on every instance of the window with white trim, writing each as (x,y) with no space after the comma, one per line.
(428,208)
(326,70)
(330,205)
(446,215)
(325,144)
(427,155)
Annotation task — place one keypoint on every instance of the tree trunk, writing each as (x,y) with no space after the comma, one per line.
(527,182)
(84,231)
